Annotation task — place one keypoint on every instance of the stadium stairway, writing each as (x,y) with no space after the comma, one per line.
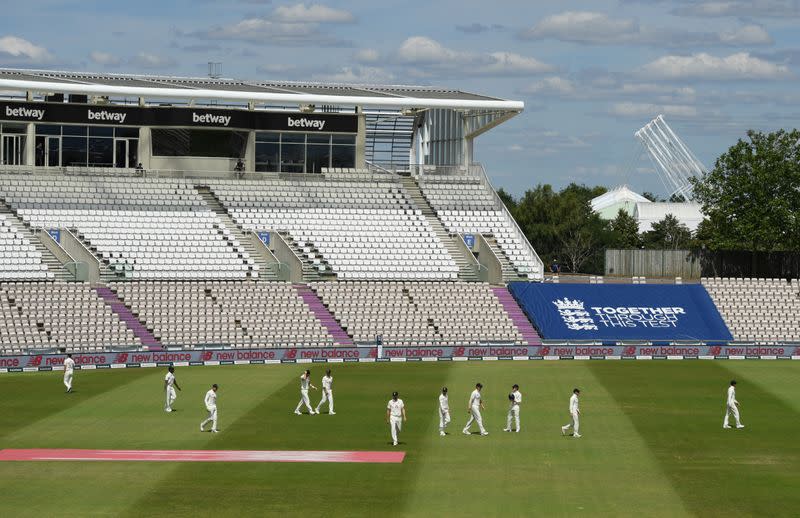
(322,314)
(466,268)
(509,272)
(124,313)
(315,267)
(517,316)
(53,265)
(213,203)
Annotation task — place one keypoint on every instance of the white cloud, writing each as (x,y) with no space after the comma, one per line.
(645,110)
(741,8)
(591,28)
(357,75)
(104,59)
(18,50)
(739,66)
(583,27)
(367,56)
(552,86)
(746,35)
(425,53)
(147,60)
(314,13)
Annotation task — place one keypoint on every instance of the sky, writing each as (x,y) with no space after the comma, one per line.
(590,72)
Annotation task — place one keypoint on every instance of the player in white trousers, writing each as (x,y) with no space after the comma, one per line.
(327,393)
(69,369)
(170,384)
(211,405)
(514,398)
(732,407)
(575,413)
(395,415)
(444,411)
(305,382)
(474,408)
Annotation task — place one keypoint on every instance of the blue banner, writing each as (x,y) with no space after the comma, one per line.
(469,240)
(264,237)
(55,234)
(621,311)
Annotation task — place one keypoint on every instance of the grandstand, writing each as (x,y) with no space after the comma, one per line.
(151,212)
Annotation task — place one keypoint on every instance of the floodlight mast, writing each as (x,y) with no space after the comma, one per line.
(672,158)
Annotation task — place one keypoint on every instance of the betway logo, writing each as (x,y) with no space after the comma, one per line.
(210,118)
(104,115)
(24,113)
(305,123)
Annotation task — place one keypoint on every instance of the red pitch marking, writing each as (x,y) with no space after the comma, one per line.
(44,454)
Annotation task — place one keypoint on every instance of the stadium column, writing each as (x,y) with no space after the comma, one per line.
(250,152)
(30,144)
(144,152)
(361,138)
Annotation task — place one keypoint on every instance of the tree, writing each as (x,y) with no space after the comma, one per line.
(625,231)
(508,200)
(751,197)
(669,233)
(652,197)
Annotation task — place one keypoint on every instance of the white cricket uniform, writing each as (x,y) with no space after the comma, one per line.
(475,411)
(171,395)
(444,412)
(327,394)
(304,383)
(574,411)
(395,417)
(513,411)
(69,369)
(731,407)
(211,405)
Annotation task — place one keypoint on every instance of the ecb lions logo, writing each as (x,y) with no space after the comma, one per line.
(574,315)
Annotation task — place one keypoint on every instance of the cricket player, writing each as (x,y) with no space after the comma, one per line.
(395,415)
(305,382)
(732,407)
(327,393)
(515,398)
(444,411)
(170,384)
(69,369)
(575,412)
(211,406)
(474,408)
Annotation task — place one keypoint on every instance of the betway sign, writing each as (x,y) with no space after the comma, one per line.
(166,116)
(23,112)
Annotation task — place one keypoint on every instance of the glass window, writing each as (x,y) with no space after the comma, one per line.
(101,152)
(48,129)
(267,156)
(299,138)
(74,130)
(126,132)
(268,136)
(101,131)
(316,138)
(344,139)
(73,151)
(293,158)
(317,157)
(14,128)
(343,156)
(199,143)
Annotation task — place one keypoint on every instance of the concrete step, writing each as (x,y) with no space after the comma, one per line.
(54,266)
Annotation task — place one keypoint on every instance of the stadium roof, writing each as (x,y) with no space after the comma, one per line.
(282,92)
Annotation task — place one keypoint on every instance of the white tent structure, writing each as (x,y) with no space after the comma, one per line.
(607,205)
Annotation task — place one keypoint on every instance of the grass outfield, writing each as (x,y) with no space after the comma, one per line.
(653,443)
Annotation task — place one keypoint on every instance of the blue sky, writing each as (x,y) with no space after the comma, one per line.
(590,73)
